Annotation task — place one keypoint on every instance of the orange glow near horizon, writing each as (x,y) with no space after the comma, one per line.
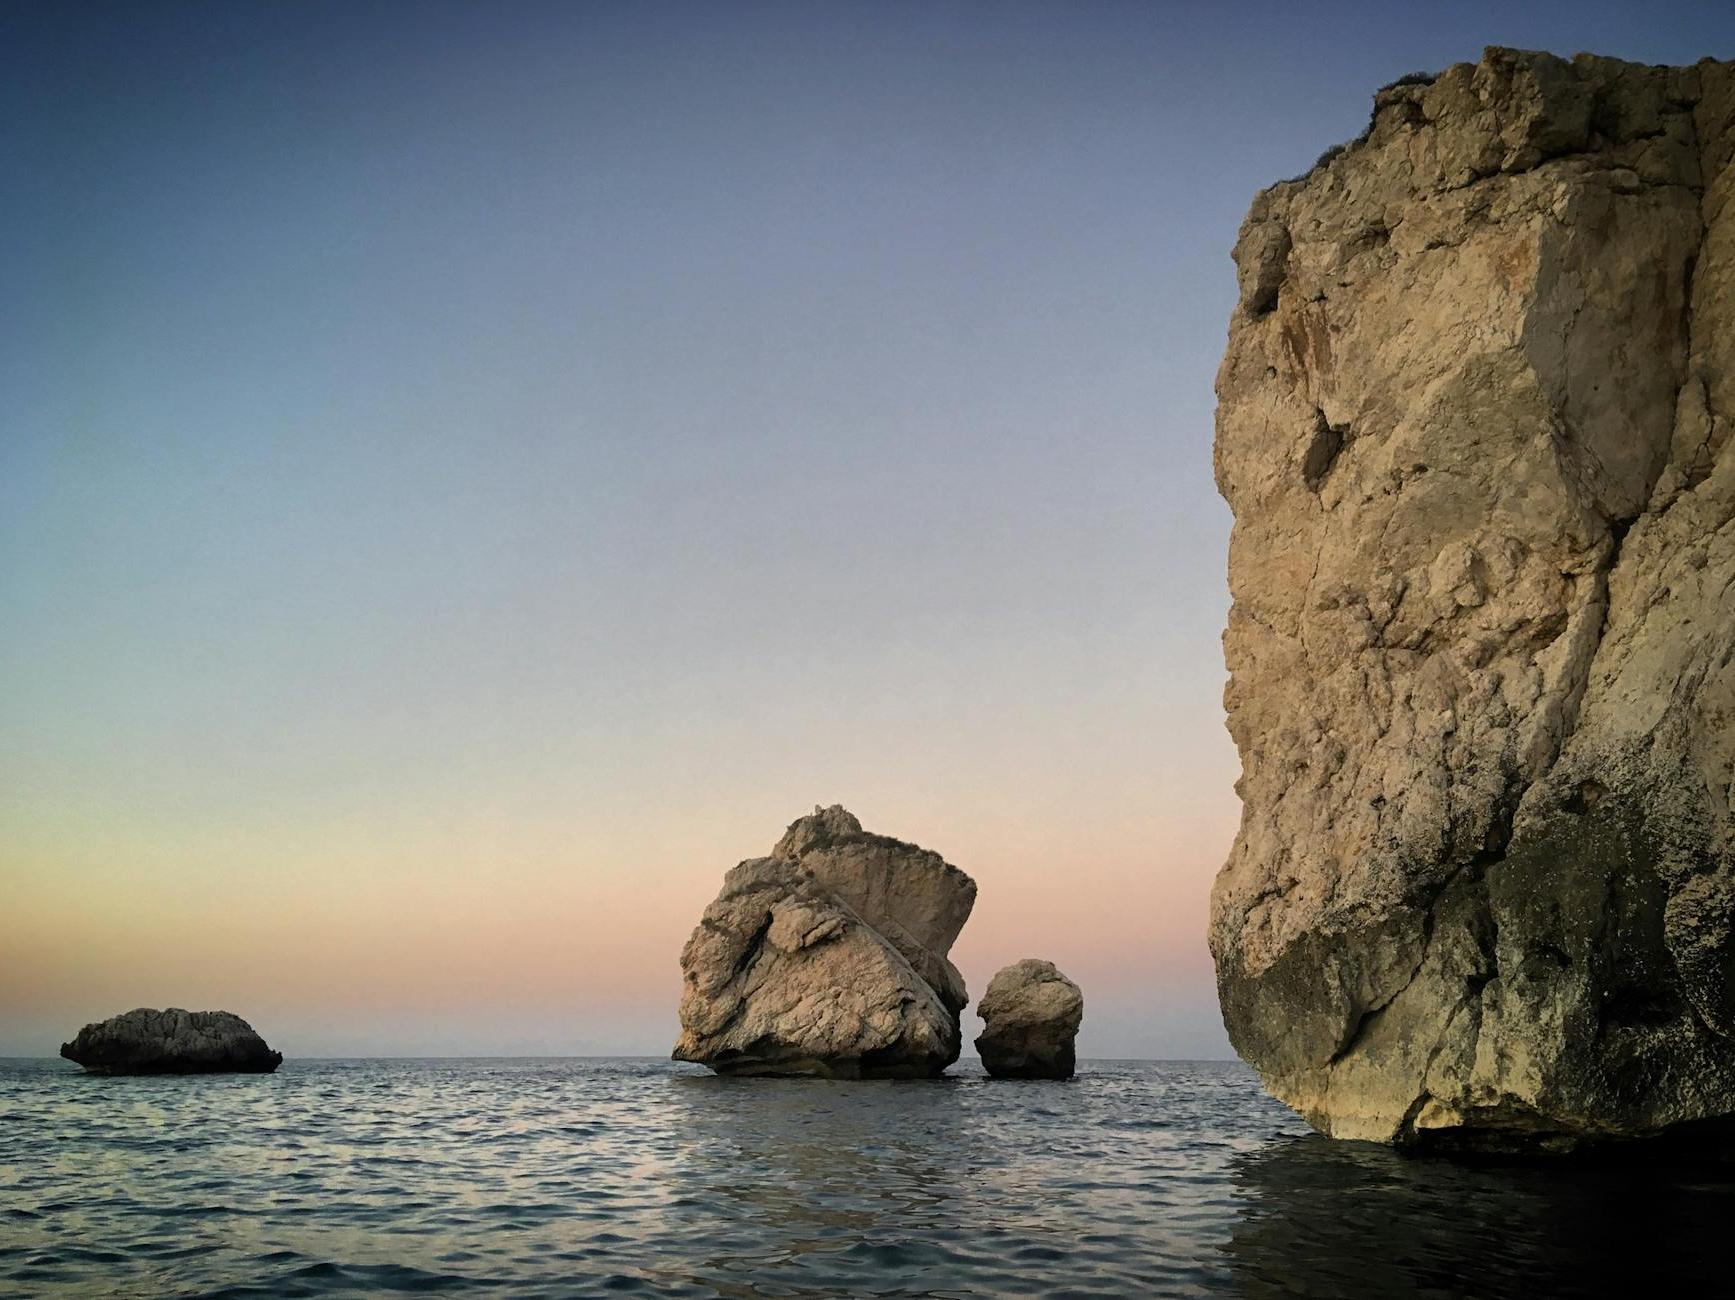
(589,926)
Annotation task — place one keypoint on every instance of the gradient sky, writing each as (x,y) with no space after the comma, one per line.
(470,474)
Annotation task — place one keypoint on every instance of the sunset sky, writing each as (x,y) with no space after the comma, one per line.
(470,474)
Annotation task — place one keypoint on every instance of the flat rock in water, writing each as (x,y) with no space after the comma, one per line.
(1474,427)
(1031,1013)
(171,1042)
(828,958)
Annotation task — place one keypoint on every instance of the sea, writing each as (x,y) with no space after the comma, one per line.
(575,1177)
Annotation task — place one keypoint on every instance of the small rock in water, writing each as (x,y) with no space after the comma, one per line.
(1032,1013)
(171,1042)
(828,958)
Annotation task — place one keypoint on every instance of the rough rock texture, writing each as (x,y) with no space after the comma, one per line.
(1030,1013)
(1474,427)
(828,958)
(172,1042)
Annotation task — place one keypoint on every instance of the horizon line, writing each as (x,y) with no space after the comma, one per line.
(628,1056)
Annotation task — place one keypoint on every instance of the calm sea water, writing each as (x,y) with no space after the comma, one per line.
(579,1177)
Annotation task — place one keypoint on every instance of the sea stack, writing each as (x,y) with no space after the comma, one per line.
(1030,1013)
(172,1042)
(1473,425)
(828,958)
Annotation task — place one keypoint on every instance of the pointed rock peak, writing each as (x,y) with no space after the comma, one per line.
(817,830)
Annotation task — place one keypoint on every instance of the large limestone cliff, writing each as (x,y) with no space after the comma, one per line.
(1473,424)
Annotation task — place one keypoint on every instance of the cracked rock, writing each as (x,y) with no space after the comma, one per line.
(828,958)
(1482,644)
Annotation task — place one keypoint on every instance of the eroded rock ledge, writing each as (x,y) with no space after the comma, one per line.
(1473,425)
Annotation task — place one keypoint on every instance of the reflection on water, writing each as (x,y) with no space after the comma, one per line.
(796,1186)
(642,1177)
(1322,1218)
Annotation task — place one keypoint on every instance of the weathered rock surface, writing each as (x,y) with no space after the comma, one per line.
(1031,1014)
(828,958)
(172,1042)
(1474,427)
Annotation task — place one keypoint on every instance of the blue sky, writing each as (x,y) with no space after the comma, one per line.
(469,474)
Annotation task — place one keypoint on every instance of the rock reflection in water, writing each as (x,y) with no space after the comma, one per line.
(1113,1184)
(1351,1219)
(790,1186)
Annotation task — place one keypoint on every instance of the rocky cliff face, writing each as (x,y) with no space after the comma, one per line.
(1473,424)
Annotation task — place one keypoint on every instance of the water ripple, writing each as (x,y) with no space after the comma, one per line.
(633,1177)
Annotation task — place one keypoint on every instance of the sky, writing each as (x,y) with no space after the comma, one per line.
(471,474)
